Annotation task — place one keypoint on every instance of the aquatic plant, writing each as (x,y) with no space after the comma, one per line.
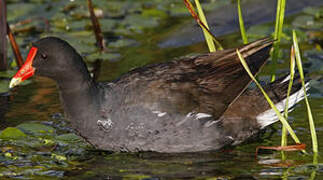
(241,23)
(309,112)
(280,14)
(294,53)
(201,20)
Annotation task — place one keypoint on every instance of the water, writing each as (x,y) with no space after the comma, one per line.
(54,152)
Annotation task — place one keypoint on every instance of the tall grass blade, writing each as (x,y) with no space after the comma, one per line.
(280,116)
(241,23)
(291,79)
(309,112)
(280,14)
(207,36)
(190,8)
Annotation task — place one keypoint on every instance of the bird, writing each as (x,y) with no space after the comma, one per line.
(189,104)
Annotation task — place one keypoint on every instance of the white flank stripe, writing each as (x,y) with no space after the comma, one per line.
(202,115)
(268,117)
(159,114)
(286,79)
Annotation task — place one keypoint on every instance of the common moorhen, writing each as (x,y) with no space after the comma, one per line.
(186,105)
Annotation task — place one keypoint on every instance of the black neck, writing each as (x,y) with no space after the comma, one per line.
(81,102)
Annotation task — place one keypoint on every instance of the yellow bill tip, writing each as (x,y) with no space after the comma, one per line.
(14,82)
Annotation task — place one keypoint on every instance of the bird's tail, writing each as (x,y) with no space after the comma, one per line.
(277,92)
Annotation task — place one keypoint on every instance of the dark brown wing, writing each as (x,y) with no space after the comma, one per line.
(206,84)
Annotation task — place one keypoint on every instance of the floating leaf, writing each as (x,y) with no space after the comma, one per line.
(4,86)
(18,10)
(314,11)
(154,13)
(178,10)
(307,22)
(12,133)
(58,157)
(108,24)
(138,23)
(122,43)
(36,129)
(78,25)
(69,137)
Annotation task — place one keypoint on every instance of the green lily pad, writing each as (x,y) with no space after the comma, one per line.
(69,137)
(41,144)
(58,157)
(80,13)
(137,23)
(154,13)
(84,35)
(82,41)
(7,74)
(18,10)
(260,30)
(107,25)
(36,129)
(314,11)
(60,21)
(78,25)
(104,56)
(12,133)
(209,6)
(136,176)
(122,43)
(4,86)
(308,22)
(113,8)
(178,10)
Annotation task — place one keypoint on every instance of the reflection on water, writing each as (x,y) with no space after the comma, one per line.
(42,156)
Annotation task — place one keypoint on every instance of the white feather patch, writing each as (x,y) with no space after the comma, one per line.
(160,114)
(210,123)
(268,117)
(196,116)
(286,79)
(202,115)
(190,114)
(106,124)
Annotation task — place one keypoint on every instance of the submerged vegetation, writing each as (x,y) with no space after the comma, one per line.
(42,147)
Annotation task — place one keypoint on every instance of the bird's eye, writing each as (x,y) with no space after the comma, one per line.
(44,56)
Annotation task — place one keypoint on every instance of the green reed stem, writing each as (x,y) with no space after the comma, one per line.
(309,112)
(208,37)
(291,79)
(280,14)
(190,8)
(242,28)
(315,163)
